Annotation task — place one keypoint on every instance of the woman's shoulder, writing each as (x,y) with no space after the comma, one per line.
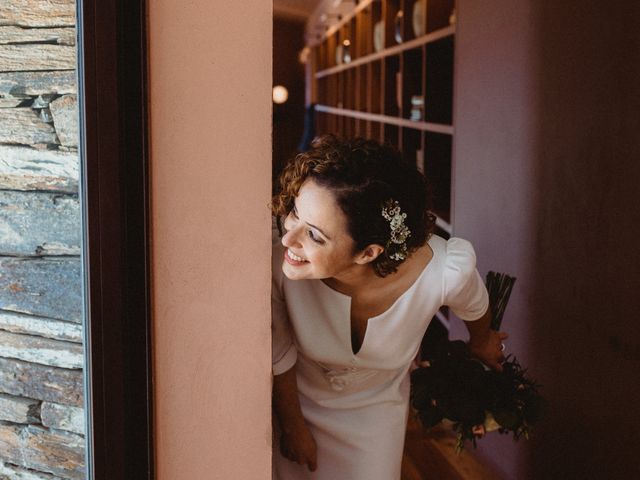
(453,257)
(458,259)
(456,256)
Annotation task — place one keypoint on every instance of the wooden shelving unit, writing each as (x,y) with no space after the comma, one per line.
(400,92)
(361,90)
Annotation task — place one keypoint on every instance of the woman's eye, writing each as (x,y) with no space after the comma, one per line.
(314,237)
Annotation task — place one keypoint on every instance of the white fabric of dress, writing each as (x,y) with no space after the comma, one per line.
(356,405)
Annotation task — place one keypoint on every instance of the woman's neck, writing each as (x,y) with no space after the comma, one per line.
(354,280)
(364,277)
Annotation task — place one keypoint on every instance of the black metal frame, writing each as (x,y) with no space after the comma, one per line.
(112,68)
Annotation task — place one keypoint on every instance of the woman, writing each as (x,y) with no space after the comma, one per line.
(357,278)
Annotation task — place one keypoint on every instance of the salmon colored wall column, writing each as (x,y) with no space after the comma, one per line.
(210,85)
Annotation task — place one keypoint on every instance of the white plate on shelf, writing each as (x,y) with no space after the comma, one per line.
(398,26)
(453,18)
(346,56)
(378,36)
(419,18)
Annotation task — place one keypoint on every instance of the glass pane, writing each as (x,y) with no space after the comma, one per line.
(42,421)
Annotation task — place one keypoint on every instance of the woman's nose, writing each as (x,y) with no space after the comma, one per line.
(290,239)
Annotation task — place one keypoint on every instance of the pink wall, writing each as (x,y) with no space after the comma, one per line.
(546,181)
(210,81)
(494,150)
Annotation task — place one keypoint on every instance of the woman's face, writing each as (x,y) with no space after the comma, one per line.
(317,242)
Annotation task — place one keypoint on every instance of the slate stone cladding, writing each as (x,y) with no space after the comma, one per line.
(41,352)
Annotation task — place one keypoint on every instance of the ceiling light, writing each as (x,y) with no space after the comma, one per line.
(280,94)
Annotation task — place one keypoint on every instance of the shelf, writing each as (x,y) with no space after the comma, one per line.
(444,320)
(437,169)
(395,50)
(389,77)
(439,81)
(345,19)
(400,122)
(443,224)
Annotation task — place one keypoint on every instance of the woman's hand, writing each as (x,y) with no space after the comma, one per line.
(488,348)
(299,446)
(486,344)
(296,441)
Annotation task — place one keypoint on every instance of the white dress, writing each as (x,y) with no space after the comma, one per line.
(356,405)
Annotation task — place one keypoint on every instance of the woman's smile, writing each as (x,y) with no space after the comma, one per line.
(294,259)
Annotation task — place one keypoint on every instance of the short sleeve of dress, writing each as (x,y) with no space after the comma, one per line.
(464,290)
(283,349)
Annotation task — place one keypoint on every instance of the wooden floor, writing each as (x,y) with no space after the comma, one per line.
(431,456)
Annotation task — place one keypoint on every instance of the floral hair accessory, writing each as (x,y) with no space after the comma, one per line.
(399,231)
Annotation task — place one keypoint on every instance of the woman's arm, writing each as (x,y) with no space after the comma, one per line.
(484,343)
(296,441)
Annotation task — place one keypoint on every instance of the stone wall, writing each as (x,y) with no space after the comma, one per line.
(41,352)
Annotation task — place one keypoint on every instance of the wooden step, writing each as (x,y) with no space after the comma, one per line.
(430,455)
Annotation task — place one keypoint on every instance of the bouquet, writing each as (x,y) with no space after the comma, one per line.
(456,387)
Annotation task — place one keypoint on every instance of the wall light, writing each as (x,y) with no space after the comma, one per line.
(280,94)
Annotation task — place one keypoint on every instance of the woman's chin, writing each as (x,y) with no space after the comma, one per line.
(294,272)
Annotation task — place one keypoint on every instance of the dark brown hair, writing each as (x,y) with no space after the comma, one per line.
(363,175)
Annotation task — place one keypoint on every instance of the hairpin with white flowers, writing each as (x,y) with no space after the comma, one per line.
(399,231)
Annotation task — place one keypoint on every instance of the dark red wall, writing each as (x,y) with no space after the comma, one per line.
(547,179)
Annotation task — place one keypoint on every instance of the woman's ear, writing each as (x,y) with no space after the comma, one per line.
(369,254)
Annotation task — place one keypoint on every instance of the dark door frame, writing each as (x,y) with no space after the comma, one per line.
(112,66)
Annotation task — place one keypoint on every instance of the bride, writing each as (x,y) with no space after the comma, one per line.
(357,277)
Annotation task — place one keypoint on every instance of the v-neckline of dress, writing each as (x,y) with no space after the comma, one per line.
(348,299)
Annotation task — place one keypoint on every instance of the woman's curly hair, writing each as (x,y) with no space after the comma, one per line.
(363,175)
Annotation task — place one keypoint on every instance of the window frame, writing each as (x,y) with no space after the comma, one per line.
(114,191)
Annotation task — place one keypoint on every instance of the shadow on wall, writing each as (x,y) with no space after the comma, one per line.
(288,118)
(546,177)
(586,269)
